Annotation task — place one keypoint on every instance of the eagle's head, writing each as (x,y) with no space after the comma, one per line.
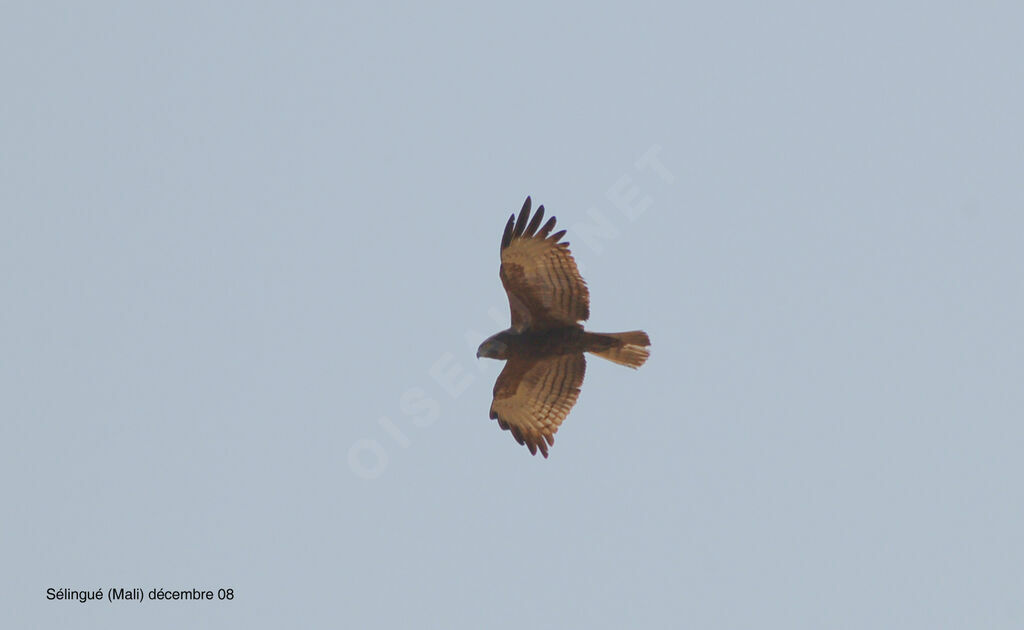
(493,348)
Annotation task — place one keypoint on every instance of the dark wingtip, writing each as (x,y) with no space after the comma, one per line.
(557,236)
(544,231)
(524,214)
(516,433)
(506,238)
(537,216)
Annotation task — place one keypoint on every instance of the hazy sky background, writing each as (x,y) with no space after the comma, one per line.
(234,236)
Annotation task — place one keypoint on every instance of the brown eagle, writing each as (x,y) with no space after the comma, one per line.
(544,346)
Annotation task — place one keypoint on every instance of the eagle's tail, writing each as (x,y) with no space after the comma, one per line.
(625,348)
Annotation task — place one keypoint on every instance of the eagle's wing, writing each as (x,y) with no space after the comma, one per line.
(544,286)
(532,397)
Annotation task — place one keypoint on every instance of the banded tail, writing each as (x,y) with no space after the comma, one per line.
(625,348)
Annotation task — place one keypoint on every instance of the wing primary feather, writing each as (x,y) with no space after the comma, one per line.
(544,231)
(517,434)
(557,236)
(532,228)
(506,238)
(524,214)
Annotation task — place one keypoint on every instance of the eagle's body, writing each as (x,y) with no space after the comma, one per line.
(546,343)
(544,346)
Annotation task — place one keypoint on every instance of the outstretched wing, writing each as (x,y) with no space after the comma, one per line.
(532,397)
(544,286)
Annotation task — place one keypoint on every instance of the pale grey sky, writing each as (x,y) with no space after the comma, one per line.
(238,240)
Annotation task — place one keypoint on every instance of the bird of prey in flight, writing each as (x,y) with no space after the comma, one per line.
(544,347)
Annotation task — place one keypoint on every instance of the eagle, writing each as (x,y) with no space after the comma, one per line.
(544,347)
